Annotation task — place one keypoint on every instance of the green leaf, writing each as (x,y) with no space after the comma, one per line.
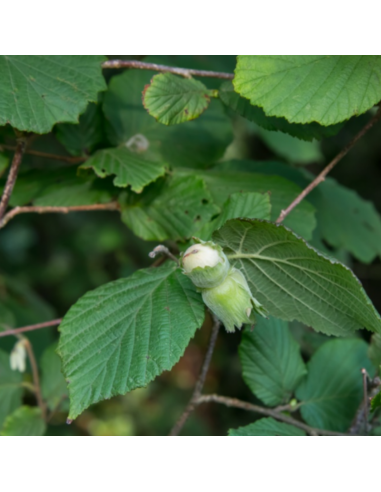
(85,137)
(256,114)
(10,388)
(193,144)
(376,402)
(25,421)
(172,209)
(332,391)
(374,351)
(53,384)
(249,205)
(326,89)
(4,162)
(122,335)
(347,221)
(267,427)
(172,99)
(293,281)
(38,91)
(59,187)
(222,184)
(292,149)
(271,362)
(131,169)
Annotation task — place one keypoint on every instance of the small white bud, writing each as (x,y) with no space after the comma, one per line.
(138,143)
(17,358)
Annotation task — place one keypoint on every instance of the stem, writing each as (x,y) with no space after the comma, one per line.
(12,176)
(193,402)
(36,378)
(233,402)
(64,158)
(184,72)
(330,166)
(163,249)
(61,210)
(24,329)
(365,393)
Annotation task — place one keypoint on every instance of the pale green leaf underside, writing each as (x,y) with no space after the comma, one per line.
(25,421)
(332,390)
(122,335)
(10,388)
(271,362)
(222,184)
(327,89)
(267,427)
(248,205)
(256,114)
(39,91)
(172,99)
(294,281)
(130,169)
(175,210)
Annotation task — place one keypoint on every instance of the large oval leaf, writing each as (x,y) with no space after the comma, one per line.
(122,335)
(332,391)
(38,91)
(322,88)
(294,281)
(256,114)
(272,366)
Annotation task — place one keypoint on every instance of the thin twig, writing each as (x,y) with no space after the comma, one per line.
(331,165)
(365,393)
(36,378)
(361,424)
(60,210)
(38,326)
(12,176)
(184,72)
(200,381)
(165,251)
(55,157)
(233,402)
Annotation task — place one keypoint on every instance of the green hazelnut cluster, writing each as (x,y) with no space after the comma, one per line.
(224,288)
